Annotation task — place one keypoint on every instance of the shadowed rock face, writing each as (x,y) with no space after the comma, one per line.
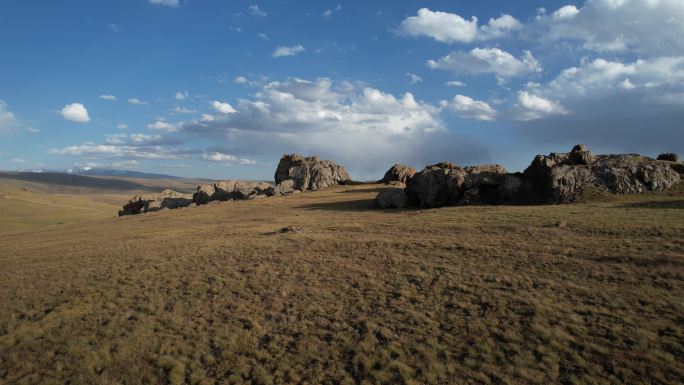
(309,173)
(153,202)
(398,173)
(553,178)
(228,190)
(391,198)
(448,184)
(561,178)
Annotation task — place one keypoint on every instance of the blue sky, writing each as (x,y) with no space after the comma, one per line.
(222,89)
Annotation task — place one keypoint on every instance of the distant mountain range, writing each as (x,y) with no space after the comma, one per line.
(92,171)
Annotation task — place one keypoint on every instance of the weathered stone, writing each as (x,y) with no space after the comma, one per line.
(283,188)
(227,190)
(398,173)
(309,173)
(154,202)
(391,198)
(560,178)
(669,156)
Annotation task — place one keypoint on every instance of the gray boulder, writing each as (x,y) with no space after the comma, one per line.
(228,190)
(391,198)
(283,188)
(310,173)
(398,173)
(562,177)
(448,184)
(153,202)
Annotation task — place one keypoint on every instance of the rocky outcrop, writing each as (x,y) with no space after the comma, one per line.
(398,173)
(561,178)
(167,199)
(553,178)
(229,190)
(670,157)
(309,173)
(448,184)
(391,198)
(285,187)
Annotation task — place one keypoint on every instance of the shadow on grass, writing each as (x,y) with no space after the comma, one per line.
(674,204)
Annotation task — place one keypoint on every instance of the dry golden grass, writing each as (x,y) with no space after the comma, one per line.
(459,295)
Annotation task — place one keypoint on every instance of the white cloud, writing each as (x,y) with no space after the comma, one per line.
(452,28)
(122,126)
(256,11)
(328,12)
(532,107)
(487,60)
(565,12)
(441,26)
(7,119)
(140,140)
(181,95)
(161,125)
(17,160)
(499,27)
(32,130)
(455,83)
(288,51)
(240,80)
(167,3)
(137,101)
(228,159)
(627,84)
(653,27)
(119,151)
(414,78)
(222,107)
(467,107)
(354,124)
(183,110)
(263,36)
(107,97)
(76,112)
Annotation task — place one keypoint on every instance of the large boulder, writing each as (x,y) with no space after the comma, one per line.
(285,187)
(562,177)
(398,173)
(448,184)
(310,173)
(391,198)
(227,190)
(153,202)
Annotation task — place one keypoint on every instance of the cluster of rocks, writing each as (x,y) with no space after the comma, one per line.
(295,173)
(167,199)
(553,178)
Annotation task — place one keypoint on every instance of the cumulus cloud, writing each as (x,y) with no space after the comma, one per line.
(181,95)
(530,107)
(653,27)
(122,126)
(499,27)
(240,80)
(441,26)
(487,60)
(466,107)
(141,140)
(167,3)
(136,101)
(161,125)
(452,28)
(107,97)
(288,51)
(182,110)
(363,127)
(228,159)
(414,78)
(76,112)
(628,106)
(222,107)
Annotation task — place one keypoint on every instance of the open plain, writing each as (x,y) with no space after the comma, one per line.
(585,293)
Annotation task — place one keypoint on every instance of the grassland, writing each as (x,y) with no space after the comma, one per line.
(589,293)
